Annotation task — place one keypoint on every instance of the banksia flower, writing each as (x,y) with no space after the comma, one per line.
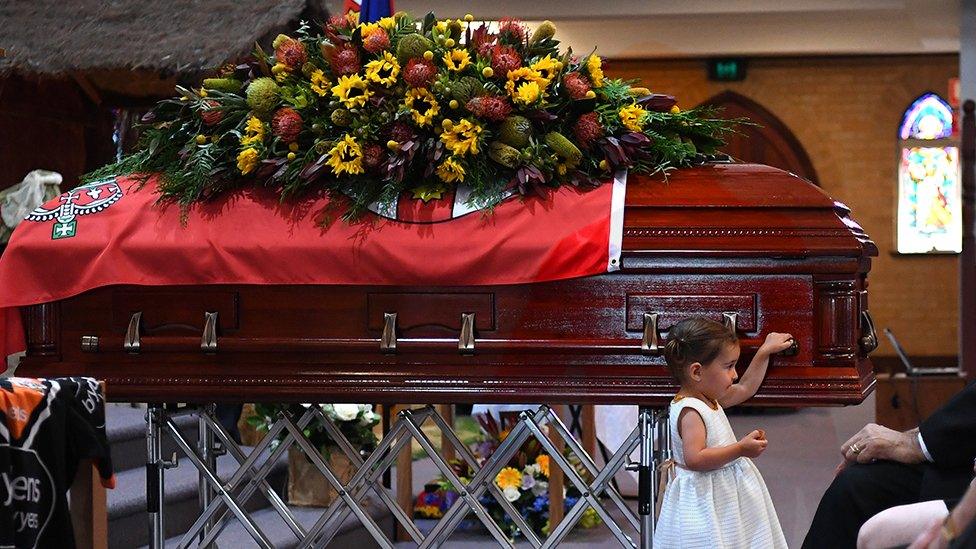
(287,124)
(504,59)
(412,45)
(346,61)
(490,107)
(588,129)
(291,52)
(376,41)
(544,31)
(262,95)
(419,72)
(576,85)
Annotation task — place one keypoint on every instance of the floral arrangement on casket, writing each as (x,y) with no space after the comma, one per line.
(524,483)
(372,110)
(306,484)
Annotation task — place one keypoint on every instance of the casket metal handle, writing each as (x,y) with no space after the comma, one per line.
(731,321)
(466,339)
(869,337)
(131,344)
(651,342)
(208,343)
(388,341)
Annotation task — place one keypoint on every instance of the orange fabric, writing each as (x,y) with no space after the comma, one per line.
(18,407)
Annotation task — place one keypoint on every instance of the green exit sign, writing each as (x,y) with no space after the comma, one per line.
(727,70)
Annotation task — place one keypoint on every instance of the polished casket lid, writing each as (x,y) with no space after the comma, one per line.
(726,209)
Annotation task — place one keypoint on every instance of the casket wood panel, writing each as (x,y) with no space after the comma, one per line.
(745,243)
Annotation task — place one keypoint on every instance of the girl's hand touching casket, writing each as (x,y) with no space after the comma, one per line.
(776,342)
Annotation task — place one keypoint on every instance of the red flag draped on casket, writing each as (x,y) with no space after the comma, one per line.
(114,232)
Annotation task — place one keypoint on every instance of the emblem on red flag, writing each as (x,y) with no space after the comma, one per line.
(86,199)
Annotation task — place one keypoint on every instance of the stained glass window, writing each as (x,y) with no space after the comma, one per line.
(929,195)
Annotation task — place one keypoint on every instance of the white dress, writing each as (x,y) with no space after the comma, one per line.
(728,507)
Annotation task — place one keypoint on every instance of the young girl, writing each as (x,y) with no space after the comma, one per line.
(717,498)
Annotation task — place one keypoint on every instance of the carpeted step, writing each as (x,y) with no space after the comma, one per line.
(126,430)
(127,517)
(351,533)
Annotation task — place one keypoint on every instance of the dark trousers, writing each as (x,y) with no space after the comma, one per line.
(862,490)
(858,493)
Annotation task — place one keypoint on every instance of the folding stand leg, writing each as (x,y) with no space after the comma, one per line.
(654,447)
(155,476)
(208,454)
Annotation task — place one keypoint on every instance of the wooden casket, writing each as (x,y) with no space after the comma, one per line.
(750,244)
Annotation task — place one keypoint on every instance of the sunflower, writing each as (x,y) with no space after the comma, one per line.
(423,106)
(320,84)
(451,171)
(462,137)
(509,477)
(594,65)
(387,23)
(253,132)
(547,67)
(247,160)
(457,60)
(383,70)
(346,156)
(520,77)
(542,461)
(632,117)
(351,91)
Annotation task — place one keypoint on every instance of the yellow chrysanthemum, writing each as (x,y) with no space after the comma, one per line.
(462,138)
(632,117)
(451,171)
(457,60)
(351,91)
(387,23)
(542,461)
(520,77)
(509,477)
(247,160)
(527,93)
(383,70)
(547,67)
(594,65)
(352,17)
(346,157)
(441,26)
(423,106)
(366,28)
(253,132)
(320,84)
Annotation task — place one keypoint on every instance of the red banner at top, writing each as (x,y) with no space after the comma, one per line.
(113,232)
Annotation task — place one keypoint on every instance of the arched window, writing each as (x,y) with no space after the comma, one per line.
(929,194)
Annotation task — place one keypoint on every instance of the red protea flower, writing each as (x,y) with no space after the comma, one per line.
(419,72)
(346,61)
(588,129)
(373,156)
(286,124)
(504,59)
(376,41)
(482,41)
(490,107)
(291,52)
(401,132)
(576,85)
(512,31)
(211,116)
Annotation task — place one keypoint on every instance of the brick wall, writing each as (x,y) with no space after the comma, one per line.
(845,112)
